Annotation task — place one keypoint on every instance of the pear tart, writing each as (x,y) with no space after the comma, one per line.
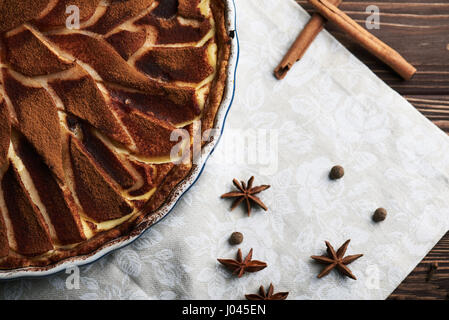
(87,111)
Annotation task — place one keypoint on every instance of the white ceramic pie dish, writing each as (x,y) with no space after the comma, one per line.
(177,192)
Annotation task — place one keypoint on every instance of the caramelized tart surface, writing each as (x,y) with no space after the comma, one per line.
(88,102)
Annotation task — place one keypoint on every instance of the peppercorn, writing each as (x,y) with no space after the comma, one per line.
(336,172)
(379,215)
(236,238)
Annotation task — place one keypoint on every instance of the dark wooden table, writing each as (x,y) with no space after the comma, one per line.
(419,30)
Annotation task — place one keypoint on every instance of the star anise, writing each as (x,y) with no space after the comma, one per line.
(246,192)
(337,260)
(240,266)
(267,296)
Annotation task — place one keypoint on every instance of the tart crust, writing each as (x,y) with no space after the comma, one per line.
(125,151)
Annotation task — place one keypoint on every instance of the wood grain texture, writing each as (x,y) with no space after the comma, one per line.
(418,285)
(419,31)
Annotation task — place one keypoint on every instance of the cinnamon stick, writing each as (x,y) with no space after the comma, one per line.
(364,38)
(302,43)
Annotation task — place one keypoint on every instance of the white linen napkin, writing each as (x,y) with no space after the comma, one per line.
(330,109)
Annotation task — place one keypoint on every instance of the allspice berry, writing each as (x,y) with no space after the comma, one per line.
(236,238)
(379,215)
(336,172)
